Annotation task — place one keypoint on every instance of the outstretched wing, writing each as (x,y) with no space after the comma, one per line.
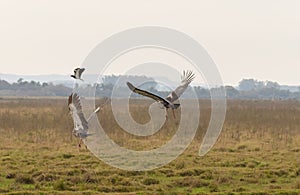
(80,71)
(75,70)
(186,78)
(147,94)
(80,123)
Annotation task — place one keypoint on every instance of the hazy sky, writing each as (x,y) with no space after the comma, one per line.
(247,39)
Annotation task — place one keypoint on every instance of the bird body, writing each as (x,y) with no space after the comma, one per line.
(80,129)
(77,73)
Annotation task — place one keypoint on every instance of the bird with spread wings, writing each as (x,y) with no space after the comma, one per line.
(77,73)
(80,122)
(186,78)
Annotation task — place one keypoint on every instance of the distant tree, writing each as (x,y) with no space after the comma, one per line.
(231,92)
(152,89)
(259,84)
(248,89)
(247,84)
(4,84)
(202,92)
(283,94)
(33,83)
(274,85)
(20,80)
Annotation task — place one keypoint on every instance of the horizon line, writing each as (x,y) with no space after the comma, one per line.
(225,83)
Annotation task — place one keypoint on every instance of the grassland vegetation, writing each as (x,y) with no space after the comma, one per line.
(257,152)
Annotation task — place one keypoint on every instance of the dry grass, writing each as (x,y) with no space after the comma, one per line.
(257,152)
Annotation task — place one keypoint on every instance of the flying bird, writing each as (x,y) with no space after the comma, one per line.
(77,73)
(80,122)
(186,78)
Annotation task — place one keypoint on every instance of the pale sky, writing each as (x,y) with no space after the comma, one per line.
(247,39)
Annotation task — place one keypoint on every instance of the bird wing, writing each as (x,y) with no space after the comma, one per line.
(186,78)
(75,70)
(146,93)
(80,123)
(80,71)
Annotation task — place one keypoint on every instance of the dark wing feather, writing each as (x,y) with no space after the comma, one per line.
(81,71)
(147,94)
(70,100)
(75,70)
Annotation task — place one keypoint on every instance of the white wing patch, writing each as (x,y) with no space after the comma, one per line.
(80,123)
(186,78)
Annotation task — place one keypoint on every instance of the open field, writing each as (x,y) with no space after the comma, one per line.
(258,152)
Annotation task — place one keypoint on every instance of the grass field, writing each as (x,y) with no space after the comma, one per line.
(258,152)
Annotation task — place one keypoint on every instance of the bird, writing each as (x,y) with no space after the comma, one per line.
(186,78)
(77,73)
(80,129)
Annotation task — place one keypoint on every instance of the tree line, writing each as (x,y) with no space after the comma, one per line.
(247,89)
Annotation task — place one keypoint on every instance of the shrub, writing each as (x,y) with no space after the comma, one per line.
(150,181)
(24,179)
(60,185)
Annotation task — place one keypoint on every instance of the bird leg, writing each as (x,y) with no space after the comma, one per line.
(166,113)
(84,144)
(173,113)
(79,143)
